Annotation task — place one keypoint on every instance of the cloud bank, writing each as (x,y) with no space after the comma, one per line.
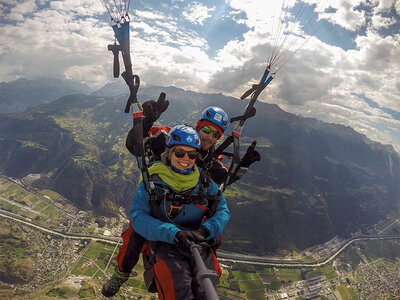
(348,72)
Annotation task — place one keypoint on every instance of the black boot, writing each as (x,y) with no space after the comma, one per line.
(112,286)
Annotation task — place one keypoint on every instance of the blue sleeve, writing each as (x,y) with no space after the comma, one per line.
(218,221)
(143,223)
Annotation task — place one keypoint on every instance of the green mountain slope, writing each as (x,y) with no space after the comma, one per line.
(315,180)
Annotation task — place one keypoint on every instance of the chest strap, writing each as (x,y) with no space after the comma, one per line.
(207,202)
(178,200)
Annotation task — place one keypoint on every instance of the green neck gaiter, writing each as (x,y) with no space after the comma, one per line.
(178,182)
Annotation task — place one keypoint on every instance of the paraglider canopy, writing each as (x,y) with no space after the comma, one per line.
(117,9)
(292,24)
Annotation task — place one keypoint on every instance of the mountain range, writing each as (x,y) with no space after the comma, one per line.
(20,94)
(315,180)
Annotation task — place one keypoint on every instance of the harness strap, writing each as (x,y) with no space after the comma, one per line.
(205,202)
(138,147)
(250,111)
(234,164)
(207,162)
(133,82)
(188,199)
(212,207)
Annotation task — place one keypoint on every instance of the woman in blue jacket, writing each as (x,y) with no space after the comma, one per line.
(182,215)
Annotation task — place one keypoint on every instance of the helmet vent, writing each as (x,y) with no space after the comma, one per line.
(176,137)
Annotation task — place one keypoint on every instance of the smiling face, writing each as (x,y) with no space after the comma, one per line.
(185,162)
(207,139)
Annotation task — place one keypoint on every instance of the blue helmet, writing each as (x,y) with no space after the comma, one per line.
(216,116)
(183,135)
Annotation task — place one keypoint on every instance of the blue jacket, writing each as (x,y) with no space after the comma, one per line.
(156,230)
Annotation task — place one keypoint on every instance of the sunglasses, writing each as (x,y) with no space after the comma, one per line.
(179,153)
(208,130)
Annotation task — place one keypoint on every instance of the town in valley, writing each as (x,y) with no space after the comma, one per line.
(51,249)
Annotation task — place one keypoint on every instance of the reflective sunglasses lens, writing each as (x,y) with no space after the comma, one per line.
(206,129)
(192,154)
(179,153)
(216,134)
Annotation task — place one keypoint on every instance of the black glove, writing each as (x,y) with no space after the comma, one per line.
(158,145)
(204,232)
(250,156)
(152,110)
(184,237)
(214,242)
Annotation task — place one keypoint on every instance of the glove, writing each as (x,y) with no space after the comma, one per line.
(184,237)
(214,242)
(204,232)
(250,156)
(157,145)
(153,110)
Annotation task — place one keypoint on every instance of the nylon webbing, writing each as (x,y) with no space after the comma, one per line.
(138,147)
(234,164)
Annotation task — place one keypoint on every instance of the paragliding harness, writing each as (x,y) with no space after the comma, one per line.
(234,169)
(121,31)
(208,203)
(178,200)
(192,196)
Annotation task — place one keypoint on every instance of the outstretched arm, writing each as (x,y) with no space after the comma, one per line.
(152,110)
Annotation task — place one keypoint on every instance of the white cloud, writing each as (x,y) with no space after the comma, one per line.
(321,75)
(380,21)
(197,12)
(50,43)
(386,5)
(67,39)
(344,15)
(150,15)
(19,9)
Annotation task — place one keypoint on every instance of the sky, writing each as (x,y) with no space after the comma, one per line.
(334,60)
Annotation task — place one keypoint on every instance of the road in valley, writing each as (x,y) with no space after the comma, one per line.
(222,256)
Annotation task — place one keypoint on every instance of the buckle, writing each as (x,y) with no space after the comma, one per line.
(174,210)
(241,171)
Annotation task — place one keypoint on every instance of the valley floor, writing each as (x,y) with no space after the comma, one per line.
(49,249)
